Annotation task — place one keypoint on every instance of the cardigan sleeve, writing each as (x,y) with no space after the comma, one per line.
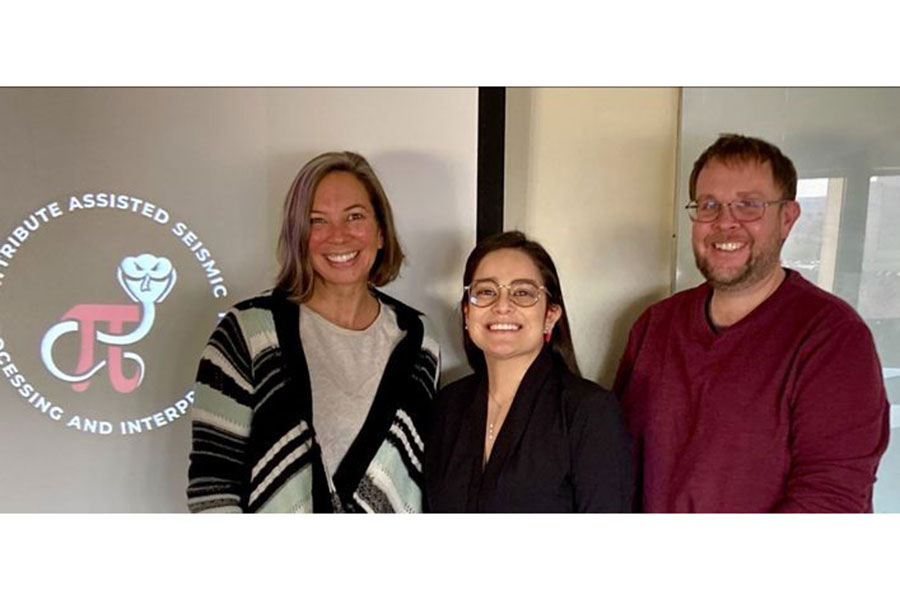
(220,422)
(839,424)
(602,472)
(431,426)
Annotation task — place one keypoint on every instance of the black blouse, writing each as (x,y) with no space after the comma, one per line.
(562,448)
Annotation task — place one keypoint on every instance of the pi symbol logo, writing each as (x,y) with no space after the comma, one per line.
(147,279)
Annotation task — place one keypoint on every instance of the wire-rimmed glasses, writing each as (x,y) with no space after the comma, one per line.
(524,293)
(744,210)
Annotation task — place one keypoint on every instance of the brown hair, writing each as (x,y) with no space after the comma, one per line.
(296,272)
(561,340)
(731,148)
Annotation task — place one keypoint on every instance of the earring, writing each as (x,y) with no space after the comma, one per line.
(547,335)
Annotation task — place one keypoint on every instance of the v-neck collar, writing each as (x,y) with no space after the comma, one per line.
(704,325)
(485,476)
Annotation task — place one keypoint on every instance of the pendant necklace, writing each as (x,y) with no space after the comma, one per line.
(491,434)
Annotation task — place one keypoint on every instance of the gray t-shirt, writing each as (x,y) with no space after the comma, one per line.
(345,369)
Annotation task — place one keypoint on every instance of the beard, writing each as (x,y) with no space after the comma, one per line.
(761,262)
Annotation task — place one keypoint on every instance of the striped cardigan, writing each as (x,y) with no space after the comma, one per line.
(254,445)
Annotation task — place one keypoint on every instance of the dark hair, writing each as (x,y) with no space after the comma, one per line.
(731,148)
(296,272)
(561,340)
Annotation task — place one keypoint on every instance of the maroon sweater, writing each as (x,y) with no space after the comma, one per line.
(784,411)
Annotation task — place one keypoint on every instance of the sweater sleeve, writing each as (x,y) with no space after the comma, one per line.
(839,423)
(620,386)
(629,356)
(220,422)
(601,455)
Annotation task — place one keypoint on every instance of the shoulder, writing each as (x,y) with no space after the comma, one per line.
(255,319)
(462,386)
(656,320)
(271,301)
(820,321)
(460,391)
(678,301)
(262,301)
(675,306)
(409,317)
(816,303)
(593,419)
(578,392)
(403,311)
(590,409)
(452,403)
(430,343)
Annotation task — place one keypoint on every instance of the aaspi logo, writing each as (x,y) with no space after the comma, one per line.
(106,302)
(147,279)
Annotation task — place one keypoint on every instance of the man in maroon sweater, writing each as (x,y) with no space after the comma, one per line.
(756,391)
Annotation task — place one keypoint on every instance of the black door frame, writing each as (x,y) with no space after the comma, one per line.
(491,160)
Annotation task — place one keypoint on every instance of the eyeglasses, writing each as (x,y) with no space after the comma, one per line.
(521,293)
(744,210)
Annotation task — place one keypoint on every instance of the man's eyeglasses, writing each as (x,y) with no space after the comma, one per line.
(521,293)
(744,210)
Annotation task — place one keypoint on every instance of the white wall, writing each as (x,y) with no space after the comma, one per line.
(590,173)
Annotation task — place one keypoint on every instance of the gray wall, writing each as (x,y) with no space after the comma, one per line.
(219,161)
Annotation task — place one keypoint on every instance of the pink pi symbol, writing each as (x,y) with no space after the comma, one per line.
(84,318)
(147,279)
(116,315)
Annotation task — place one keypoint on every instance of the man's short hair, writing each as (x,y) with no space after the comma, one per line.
(732,148)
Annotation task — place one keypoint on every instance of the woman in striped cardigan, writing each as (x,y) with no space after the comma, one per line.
(312,397)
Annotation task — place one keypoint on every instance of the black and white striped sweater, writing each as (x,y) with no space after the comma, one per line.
(254,445)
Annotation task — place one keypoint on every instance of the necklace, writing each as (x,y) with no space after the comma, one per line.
(492,423)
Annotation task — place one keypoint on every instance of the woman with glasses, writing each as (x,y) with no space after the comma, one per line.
(524,433)
(312,397)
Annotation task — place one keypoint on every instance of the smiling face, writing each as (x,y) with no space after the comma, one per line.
(344,236)
(505,330)
(733,255)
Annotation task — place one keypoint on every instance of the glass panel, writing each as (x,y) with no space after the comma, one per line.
(879,291)
(879,304)
(811,248)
